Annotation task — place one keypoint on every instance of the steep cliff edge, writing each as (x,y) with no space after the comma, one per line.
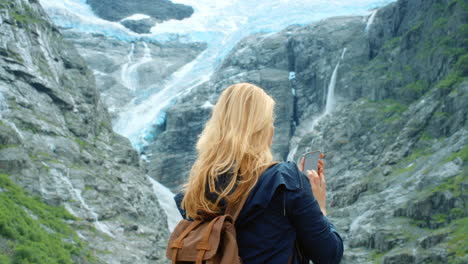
(385,98)
(57,143)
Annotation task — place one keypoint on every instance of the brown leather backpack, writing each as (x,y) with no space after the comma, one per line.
(212,242)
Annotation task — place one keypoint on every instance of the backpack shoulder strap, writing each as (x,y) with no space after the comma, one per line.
(234,209)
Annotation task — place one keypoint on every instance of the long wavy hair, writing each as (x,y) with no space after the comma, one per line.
(236,140)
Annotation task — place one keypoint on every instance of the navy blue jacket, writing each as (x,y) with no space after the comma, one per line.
(280,210)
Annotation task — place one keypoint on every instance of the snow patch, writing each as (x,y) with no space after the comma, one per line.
(136,17)
(292,75)
(207,104)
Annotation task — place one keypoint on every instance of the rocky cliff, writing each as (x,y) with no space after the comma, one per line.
(57,143)
(155,11)
(385,98)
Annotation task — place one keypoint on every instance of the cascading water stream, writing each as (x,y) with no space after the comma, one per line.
(329,107)
(77,193)
(129,71)
(166,200)
(370,20)
(330,103)
(125,74)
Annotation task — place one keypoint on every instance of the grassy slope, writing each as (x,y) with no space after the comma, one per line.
(33,232)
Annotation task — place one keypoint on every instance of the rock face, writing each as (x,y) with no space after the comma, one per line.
(56,141)
(160,10)
(125,70)
(385,101)
(140,25)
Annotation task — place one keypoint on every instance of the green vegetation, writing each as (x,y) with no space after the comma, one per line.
(462,153)
(33,232)
(3,4)
(462,65)
(407,164)
(414,90)
(462,3)
(452,184)
(459,70)
(377,256)
(439,23)
(392,43)
(388,110)
(457,246)
(448,82)
(43,66)
(426,136)
(44,157)
(415,28)
(391,107)
(82,143)
(16,56)
(24,17)
(391,110)
(8,146)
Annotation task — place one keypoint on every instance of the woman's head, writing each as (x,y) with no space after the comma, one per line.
(237,139)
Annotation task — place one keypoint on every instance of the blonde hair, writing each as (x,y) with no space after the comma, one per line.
(236,139)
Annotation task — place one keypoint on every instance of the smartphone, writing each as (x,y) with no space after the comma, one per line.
(311,160)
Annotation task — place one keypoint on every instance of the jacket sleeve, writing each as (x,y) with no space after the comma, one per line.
(178,200)
(317,236)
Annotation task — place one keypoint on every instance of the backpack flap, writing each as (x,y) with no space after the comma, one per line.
(197,240)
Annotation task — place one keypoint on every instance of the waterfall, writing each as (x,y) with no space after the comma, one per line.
(147,52)
(77,195)
(125,74)
(370,20)
(330,103)
(129,71)
(307,127)
(166,200)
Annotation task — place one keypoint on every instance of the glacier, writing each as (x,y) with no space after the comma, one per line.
(220,24)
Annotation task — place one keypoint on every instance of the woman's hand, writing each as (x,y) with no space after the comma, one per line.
(317,180)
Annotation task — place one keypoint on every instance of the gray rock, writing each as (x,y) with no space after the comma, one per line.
(403,257)
(432,240)
(139,26)
(161,9)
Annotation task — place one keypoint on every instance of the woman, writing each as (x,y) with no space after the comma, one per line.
(283,219)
